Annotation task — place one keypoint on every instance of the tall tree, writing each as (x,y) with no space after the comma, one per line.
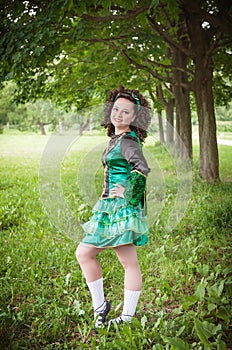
(209,27)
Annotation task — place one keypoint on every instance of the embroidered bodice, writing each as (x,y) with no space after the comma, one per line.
(125,164)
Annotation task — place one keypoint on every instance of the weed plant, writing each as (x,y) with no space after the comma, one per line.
(187,273)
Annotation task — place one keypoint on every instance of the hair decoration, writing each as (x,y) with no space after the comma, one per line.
(130,95)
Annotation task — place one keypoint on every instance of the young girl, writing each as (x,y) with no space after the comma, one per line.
(119,217)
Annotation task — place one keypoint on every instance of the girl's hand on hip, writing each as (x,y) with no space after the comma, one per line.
(117,191)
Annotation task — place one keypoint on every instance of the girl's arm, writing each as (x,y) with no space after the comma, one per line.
(132,152)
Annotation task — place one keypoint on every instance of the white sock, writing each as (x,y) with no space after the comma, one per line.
(97,293)
(131,298)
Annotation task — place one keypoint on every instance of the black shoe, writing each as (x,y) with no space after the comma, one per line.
(101,316)
(120,319)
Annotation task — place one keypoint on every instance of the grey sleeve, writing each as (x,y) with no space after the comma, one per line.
(131,151)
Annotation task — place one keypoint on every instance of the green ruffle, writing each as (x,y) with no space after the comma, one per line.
(114,222)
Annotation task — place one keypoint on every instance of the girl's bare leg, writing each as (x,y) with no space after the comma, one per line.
(86,256)
(127,255)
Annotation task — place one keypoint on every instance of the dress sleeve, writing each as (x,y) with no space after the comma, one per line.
(132,152)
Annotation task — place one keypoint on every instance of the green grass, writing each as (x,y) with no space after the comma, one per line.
(44,301)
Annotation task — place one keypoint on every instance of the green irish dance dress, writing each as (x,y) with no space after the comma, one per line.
(116,220)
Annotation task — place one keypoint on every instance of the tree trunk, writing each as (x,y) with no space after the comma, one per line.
(182,102)
(203,91)
(60,127)
(209,163)
(177,139)
(169,108)
(42,128)
(161,128)
(82,127)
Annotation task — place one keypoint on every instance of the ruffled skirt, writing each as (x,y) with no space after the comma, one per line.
(115,222)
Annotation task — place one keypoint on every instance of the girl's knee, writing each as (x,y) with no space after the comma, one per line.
(84,254)
(80,254)
(127,256)
(127,263)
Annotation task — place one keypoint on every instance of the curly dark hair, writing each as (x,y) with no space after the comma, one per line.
(142,108)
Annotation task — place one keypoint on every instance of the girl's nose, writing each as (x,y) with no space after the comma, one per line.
(118,113)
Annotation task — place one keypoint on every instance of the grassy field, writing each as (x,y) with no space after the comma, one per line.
(44,301)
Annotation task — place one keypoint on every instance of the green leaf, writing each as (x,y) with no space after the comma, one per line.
(189,300)
(143,321)
(221,345)
(202,335)
(16,57)
(180,331)
(227,270)
(9,76)
(154,3)
(69,4)
(39,50)
(157,347)
(203,269)
(106,4)
(216,289)
(177,343)
(211,307)
(200,291)
(221,287)
(205,330)
(223,313)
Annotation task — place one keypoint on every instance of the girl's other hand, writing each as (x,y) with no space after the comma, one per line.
(117,191)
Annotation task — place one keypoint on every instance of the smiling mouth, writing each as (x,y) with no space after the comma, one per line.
(117,120)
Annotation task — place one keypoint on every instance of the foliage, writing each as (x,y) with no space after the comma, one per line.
(30,115)
(7,105)
(222,77)
(224,112)
(86,43)
(76,51)
(44,300)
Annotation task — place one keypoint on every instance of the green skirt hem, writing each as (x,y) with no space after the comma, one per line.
(115,222)
(123,239)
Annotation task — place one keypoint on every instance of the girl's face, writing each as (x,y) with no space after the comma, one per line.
(123,113)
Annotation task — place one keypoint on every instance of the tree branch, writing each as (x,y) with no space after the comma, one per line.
(160,95)
(220,21)
(129,14)
(109,42)
(94,39)
(170,66)
(169,89)
(221,43)
(105,40)
(141,66)
(166,16)
(163,33)
(151,94)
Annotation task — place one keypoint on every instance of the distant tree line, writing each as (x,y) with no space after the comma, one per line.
(41,114)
